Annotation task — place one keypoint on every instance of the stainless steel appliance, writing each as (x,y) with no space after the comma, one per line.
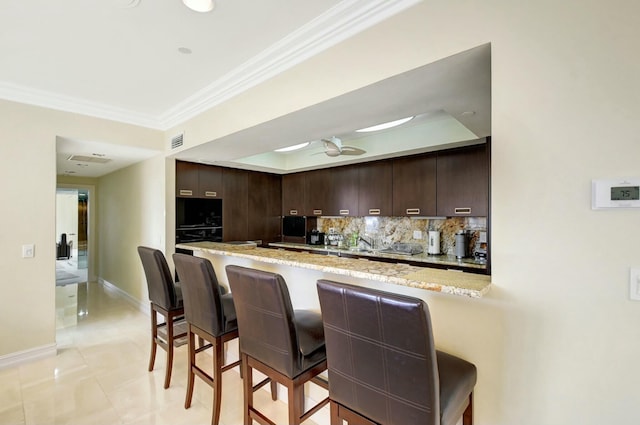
(315,237)
(462,244)
(433,246)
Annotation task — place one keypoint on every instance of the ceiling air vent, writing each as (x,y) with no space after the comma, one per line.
(176,141)
(92,159)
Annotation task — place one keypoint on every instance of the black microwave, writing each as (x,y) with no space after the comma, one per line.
(294,226)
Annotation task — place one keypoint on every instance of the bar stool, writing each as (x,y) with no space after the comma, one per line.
(166,299)
(383,366)
(212,317)
(285,345)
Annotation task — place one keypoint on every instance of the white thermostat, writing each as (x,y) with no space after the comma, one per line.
(615,193)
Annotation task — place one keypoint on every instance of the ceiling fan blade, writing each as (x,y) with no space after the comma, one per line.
(350,150)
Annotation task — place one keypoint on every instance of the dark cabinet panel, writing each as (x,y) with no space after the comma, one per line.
(317,192)
(463,181)
(210,181)
(264,205)
(343,196)
(198,180)
(235,205)
(414,186)
(375,188)
(293,188)
(186,179)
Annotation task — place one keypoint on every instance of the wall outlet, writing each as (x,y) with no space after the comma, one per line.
(634,283)
(28,251)
(417,234)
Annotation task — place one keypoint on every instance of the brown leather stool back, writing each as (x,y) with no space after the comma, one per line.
(265,319)
(203,304)
(380,354)
(159,281)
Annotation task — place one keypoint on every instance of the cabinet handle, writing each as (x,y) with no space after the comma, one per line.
(184,192)
(293,212)
(211,194)
(374,211)
(413,211)
(465,210)
(317,212)
(344,212)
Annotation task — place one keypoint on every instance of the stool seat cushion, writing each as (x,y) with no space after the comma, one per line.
(231,320)
(310,331)
(457,380)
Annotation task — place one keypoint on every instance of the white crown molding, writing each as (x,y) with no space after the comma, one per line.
(344,20)
(60,102)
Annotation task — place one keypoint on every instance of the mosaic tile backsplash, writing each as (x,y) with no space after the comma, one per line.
(388,230)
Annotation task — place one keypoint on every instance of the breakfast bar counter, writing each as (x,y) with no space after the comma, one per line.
(405,275)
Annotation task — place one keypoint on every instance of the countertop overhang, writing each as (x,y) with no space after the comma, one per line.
(445,281)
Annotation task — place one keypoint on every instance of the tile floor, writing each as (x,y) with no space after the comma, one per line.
(100,376)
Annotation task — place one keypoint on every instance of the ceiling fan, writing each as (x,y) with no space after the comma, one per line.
(333,147)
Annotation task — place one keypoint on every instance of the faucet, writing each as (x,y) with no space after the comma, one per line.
(368,243)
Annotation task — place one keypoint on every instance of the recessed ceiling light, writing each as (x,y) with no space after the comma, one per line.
(184,50)
(293,148)
(385,125)
(199,5)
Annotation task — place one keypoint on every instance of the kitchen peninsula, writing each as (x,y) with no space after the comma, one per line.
(304,267)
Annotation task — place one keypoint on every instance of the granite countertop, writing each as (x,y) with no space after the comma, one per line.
(446,260)
(445,281)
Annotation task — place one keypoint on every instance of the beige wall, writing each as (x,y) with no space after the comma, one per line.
(28,214)
(556,341)
(132,213)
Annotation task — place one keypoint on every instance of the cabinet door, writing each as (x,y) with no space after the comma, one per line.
(293,194)
(186,179)
(210,181)
(343,197)
(374,188)
(317,186)
(463,181)
(265,202)
(414,186)
(235,205)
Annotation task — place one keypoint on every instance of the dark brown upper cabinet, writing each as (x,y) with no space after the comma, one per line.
(293,189)
(375,188)
(414,186)
(463,181)
(343,195)
(198,180)
(317,192)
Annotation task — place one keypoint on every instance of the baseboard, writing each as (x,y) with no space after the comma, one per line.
(20,357)
(143,307)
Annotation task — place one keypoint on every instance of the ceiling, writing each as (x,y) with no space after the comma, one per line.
(123,60)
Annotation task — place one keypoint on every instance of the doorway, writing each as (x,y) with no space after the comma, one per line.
(72,236)
(72,253)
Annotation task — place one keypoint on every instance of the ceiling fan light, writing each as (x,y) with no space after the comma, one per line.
(293,148)
(385,125)
(199,5)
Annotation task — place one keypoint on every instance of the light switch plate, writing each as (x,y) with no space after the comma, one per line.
(634,283)
(28,251)
(417,234)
